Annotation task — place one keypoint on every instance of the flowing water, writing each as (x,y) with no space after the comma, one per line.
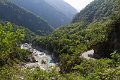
(43,60)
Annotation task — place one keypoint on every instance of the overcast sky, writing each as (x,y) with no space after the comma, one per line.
(78,4)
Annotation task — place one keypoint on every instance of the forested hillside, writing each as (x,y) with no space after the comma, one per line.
(49,12)
(79,37)
(96,10)
(66,44)
(11,12)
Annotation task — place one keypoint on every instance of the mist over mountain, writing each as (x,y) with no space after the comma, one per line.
(63,7)
(55,12)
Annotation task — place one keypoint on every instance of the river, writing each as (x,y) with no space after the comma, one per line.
(42,59)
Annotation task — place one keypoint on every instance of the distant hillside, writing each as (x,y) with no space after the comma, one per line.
(55,15)
(96,10)
(63,7)
(11,12)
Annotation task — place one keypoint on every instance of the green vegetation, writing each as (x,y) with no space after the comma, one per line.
(66,40)
(96,10)
(19,16)
(9,41)
(67,43)
(102,36)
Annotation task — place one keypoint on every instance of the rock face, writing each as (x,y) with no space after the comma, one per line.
(42,60)
(88,55)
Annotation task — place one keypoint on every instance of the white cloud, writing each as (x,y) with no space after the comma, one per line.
(78,4)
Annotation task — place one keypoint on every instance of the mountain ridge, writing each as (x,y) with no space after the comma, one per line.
(21,17)
(96,10)
(43,9)
(63,6)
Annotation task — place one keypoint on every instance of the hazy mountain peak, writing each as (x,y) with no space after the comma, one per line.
(55,12)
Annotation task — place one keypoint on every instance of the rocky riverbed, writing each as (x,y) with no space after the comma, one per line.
(42,59)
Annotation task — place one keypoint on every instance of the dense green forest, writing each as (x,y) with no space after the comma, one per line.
(78,37)
(24,18)
(97,10)
(68,43)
